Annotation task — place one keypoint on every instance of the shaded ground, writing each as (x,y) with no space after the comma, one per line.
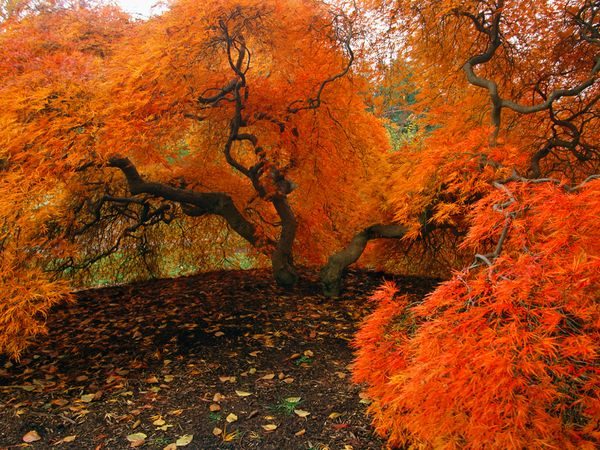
(171,358)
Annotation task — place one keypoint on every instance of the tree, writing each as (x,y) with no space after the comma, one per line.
(269,117)
(504,354)
(128,138)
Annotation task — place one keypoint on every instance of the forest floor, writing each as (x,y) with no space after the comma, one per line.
(221,360)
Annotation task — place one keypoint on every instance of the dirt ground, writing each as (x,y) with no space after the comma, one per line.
(221,360)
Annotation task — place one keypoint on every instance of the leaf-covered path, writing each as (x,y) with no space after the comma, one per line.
(219,360)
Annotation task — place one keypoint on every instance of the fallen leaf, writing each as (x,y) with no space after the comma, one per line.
(364,398)
(231,418)
(171,447)
(309,353)
(168,378)
(184,440)
(217,431)
(219,334)
(288,380)
(151,380)
(269,427)
(255,353)
(218,397)
(301,413)
(159,422)
(293,399)
(87,398)
(230,436)
(69,438)
(243,393)
(214,407)
(268,376)
(31,436)
(136,439)
(300,433)
(334,415)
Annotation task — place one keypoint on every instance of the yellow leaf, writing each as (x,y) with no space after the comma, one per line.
(269,427)
(231,418)
(184,440)
(136,437)
(301,413)
(243,393)
(87,398)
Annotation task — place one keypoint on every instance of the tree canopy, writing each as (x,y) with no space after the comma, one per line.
(458,136)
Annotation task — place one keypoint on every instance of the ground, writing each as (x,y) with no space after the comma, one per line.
(225,359)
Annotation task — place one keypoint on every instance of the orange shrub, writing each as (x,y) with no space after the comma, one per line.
(504,355)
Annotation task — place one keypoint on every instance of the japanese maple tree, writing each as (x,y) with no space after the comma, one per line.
(505,353)
(127,143)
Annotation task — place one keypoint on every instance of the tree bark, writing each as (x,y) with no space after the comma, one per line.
(282,257)
(193,203)
(331,274)
(221,204)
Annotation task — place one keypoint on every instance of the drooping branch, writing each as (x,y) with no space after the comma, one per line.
(314,102)
(331,274)
(493,33)
(217,203)
(568,133)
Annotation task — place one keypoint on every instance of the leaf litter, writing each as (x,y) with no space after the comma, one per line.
(140,366)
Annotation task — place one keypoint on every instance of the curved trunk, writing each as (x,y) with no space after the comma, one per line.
(193,203)
(201,203)
(282,257)
(331,274)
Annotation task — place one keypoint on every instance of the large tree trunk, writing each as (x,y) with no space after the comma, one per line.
(331,274)
(221,204)
(282,257)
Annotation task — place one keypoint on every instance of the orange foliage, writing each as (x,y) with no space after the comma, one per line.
(500,356)
(81,84)
(158,74)
(505,353)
